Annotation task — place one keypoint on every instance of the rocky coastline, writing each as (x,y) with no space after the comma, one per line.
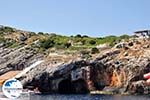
(117,70)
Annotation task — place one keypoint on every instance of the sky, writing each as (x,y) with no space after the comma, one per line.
(69,17)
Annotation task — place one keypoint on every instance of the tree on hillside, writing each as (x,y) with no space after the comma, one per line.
(85,36)
(40,33)
(78,36)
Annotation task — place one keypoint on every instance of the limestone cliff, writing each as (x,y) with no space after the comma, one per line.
(116,69)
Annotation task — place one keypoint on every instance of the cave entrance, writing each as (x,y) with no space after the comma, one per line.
(65,87)
(76,87)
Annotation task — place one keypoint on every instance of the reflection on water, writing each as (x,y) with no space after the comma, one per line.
(88,97)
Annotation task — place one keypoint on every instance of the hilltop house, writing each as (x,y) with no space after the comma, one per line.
(142,34)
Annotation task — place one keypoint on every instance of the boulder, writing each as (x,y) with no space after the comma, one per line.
(22,37)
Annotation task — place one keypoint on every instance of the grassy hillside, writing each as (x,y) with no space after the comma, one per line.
(11,37)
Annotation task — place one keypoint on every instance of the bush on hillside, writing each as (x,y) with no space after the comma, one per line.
(92,42)
(85,36)
(85,54)
(94,50)
(78,36)
(40,33)
(6,29)
(32,33)
(67,45)
(124,36)
(2,39)
(46,43)
(1,33)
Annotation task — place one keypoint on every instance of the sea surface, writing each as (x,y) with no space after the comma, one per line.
(80,97)
(88,97)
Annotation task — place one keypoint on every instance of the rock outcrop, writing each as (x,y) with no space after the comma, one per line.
(118,70)
(73,77)
(17,59)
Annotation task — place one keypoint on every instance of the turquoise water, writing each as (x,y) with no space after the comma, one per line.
(88,97)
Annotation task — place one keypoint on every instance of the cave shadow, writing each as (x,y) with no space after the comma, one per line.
(76,87)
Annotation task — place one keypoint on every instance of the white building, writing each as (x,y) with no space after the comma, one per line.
(142,34)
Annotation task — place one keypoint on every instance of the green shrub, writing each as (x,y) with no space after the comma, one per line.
(124,36)
(46,43)
(7,29)
(85,36)
(40,33)
(78,36)
(85,54)
(92,42)
(2,39)
(67,45)
(1,33)
(94,50)
(83,41)
(32,33)
(10,43)
(13,45)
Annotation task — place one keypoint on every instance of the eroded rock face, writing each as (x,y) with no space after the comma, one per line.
(121,70)
(17,58)
(73,77)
